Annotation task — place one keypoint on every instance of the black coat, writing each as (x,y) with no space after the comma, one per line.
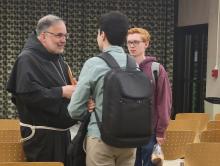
(36,84)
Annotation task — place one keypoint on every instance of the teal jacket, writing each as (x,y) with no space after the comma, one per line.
(90,83)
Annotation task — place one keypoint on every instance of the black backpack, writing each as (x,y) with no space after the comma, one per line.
(127,99)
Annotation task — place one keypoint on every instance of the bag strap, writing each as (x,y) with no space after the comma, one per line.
(109,60)
(112,63)
(97,120)
(155,66)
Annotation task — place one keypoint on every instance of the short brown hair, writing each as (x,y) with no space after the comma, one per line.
(145,35)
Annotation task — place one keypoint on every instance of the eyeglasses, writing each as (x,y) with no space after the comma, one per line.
(59,35)
(134,42)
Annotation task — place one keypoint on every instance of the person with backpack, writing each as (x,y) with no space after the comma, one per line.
(137,42)
(112,32)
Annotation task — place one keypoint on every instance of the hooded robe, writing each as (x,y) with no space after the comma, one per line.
(36,84)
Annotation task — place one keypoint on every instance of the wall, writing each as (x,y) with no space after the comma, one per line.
(213,85)
(193,12)
(213,88)
(19,18)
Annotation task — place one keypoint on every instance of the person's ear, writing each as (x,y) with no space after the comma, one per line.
(103,35)
(42,36)
(147,44)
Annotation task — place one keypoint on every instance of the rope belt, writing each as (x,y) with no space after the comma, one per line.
(33,128)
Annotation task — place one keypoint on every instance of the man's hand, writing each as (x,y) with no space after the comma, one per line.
(90,105)
(160,141)
(68,91)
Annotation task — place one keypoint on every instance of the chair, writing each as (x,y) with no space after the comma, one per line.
(187,124)
(9,124)
(31,164)
(184,125)
(202,154)
(217,116)
(210,136)
(11,151)
(213,125)
(175,143)
(203,118)
(10,136)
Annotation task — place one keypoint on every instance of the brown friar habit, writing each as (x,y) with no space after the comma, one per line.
(36,84)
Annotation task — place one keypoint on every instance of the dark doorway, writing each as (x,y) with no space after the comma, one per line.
(190,61)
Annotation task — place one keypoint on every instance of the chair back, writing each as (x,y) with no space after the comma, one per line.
(31,164)
(210,136)
(11,151)
(187,124)
(217,116)
(184,125)
(203,118)
(202,154)
(175,143)
(213,125)
(10,136)
(9,124)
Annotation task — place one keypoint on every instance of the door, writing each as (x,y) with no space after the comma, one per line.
(190,61)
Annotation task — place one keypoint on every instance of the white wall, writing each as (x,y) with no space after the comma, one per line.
(193,12)
(213,85)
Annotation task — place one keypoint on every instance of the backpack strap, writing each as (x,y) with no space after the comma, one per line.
(155,66)
(111,62)
(155,71)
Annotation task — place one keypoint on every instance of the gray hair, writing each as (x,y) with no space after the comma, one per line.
(45,22)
